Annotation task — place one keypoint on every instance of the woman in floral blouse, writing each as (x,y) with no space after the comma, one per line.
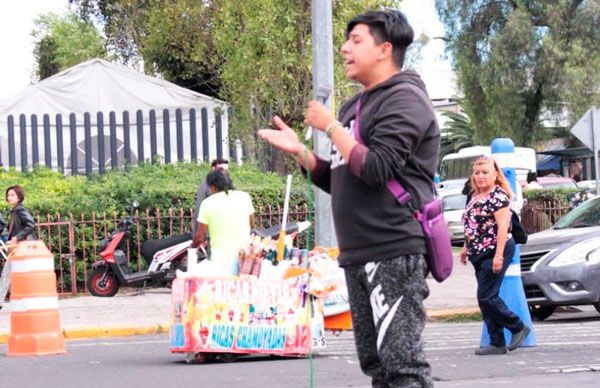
(490,248)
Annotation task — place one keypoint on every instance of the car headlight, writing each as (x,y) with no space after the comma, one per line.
(585,251)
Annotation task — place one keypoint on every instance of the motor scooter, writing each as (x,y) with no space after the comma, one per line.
(112,271)
(165,257)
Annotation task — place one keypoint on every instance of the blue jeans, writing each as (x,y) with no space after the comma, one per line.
(494,311)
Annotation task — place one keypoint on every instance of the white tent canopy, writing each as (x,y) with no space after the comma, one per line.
(100,86)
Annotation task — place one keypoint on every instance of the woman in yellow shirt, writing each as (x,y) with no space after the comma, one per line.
(228,216)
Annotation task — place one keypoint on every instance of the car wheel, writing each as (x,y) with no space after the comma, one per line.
(540,313)
(597,306)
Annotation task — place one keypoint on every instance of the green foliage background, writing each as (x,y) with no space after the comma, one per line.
(65,41)
(560,195)
(154,186)
(254,54)
(524,66)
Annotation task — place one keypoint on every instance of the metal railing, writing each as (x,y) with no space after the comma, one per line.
(537,215)
(75,240)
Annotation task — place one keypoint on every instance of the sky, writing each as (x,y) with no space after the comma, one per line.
(16,43)
(435,67)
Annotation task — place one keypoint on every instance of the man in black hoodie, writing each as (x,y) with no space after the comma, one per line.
(381,245)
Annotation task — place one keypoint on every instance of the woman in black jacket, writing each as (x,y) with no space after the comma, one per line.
(21,224)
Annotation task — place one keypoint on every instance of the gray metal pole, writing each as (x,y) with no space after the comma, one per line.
(322,40)
(595,123)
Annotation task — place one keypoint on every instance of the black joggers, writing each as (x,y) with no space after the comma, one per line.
(386,300)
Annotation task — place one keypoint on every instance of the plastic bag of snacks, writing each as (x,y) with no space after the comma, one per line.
(326,275)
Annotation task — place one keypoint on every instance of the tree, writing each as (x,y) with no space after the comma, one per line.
(256,54)
(62,42)
(179,43)
(457,134)
(44,53)
(517,61)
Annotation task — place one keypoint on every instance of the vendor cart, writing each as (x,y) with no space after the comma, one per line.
(232,316)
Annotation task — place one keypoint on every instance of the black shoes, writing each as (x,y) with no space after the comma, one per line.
(518,338)
(488,350)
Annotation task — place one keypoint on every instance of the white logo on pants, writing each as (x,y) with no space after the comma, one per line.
(382,310)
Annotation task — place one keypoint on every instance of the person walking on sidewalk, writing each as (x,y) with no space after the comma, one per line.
(20,224)
(490,248)
(20,227)
(204,191)
(382,246)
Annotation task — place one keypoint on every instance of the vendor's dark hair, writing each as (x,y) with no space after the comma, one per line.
(18,190)
(220,179)
(387,26)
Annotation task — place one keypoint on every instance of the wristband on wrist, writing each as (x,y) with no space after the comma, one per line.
(332,127)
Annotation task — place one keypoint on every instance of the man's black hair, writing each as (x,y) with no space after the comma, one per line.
(387,26)
(216,162)
(220,179)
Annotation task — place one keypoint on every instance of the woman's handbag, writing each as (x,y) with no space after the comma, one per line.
(517,230)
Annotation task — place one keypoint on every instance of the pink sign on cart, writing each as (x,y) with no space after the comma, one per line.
(243,315)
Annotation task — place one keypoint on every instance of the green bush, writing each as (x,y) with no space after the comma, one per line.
(560,195)
(160,186)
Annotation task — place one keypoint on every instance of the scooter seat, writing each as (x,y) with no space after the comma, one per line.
(150,247)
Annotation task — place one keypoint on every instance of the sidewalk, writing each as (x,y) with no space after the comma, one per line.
(131,312)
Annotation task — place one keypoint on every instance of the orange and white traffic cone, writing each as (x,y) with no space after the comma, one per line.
(34,317)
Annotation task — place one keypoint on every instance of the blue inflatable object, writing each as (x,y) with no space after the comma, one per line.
(511,291)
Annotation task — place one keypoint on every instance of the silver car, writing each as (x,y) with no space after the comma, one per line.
(453,203)
(561,265)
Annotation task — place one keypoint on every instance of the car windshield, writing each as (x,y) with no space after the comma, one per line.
(454,202)
(588,214)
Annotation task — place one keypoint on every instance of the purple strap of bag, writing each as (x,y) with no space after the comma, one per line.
(430,216)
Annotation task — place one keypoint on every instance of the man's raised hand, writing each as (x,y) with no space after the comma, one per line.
(283,137)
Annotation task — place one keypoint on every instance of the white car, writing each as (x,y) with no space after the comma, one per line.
(587,185)
(453,204)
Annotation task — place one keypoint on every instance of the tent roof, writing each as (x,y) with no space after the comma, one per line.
(98,85)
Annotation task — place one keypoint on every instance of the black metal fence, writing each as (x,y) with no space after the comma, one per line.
(88,144)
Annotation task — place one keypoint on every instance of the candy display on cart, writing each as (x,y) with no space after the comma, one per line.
(274,305)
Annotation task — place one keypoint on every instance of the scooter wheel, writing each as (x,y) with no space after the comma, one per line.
(102,282)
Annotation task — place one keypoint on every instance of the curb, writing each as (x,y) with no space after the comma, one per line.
(100,332)
(450,314)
